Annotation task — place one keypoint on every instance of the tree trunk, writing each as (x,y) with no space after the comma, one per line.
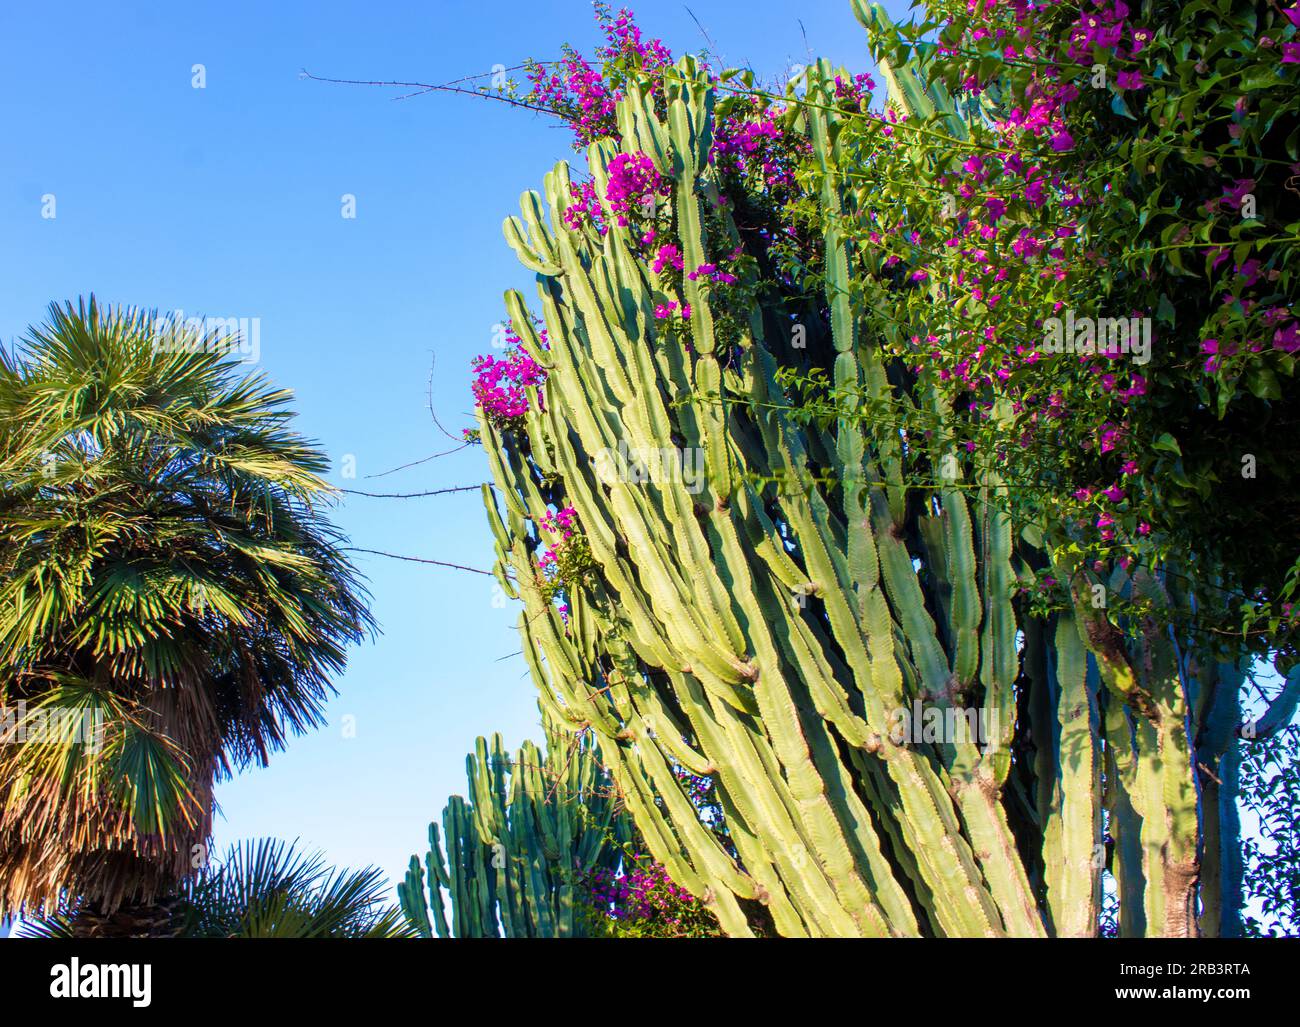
(160,918)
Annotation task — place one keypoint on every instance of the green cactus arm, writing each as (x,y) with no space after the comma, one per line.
(999,663)
(1072,833)
(993,841)
(1127,860)
(410,897)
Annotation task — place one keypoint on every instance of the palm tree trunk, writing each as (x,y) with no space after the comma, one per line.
(157,919)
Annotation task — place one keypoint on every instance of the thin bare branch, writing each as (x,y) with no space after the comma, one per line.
(422,460)
(806,45)
(433,363)
(704,32)
(414,495)
(418,559)
(426,87)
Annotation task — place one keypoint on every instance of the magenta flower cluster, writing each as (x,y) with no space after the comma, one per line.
(500,383)
(753,143)
(623,39)
(645,893)
(580,92)
(713,273)
(856,89)
(585,209)
(563,522)
(633,179)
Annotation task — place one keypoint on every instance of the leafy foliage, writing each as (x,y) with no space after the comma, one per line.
(1270,794)
(1113,162)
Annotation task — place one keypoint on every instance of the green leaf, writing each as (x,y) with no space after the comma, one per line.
(1263,383)
(1165,310)
(1166,443)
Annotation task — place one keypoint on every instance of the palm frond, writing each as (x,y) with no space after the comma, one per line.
(269,889)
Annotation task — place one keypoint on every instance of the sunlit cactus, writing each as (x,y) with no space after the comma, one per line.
(772,623)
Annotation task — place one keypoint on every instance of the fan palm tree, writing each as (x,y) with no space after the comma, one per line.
(266,889)
(166,574)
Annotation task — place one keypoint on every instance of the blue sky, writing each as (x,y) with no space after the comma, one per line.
(226,201)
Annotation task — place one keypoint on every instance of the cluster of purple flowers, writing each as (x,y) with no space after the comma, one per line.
(563,522)
(500,384)
(623,40)
(645,893)
(581,92)
(857,89)
(585,209)
(713,273)
(633,179)
(753,143)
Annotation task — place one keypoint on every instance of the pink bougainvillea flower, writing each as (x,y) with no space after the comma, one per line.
(585,210)
(1235,195)
(1287,339)
(668,255)
(500,385)
(633,180)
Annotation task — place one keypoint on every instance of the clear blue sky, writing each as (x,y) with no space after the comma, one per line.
(225,201)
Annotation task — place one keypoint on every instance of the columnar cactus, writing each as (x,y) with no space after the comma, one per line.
(520,848)
(764,626)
